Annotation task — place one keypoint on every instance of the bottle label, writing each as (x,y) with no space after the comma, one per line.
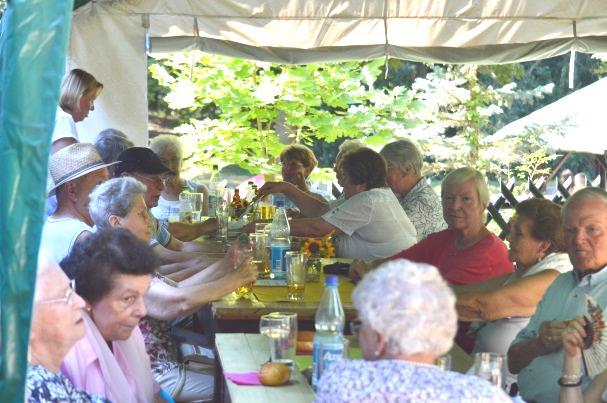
(324,356)
(277,256)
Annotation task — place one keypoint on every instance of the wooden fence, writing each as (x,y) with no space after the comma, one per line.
(507,200)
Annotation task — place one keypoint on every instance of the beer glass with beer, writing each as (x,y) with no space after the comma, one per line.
(241,252)
(261,256)
(296,275)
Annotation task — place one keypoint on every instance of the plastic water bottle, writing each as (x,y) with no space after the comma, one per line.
(279,241)
(329,342)
(213,192)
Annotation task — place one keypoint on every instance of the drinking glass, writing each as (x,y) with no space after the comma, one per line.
(292,318)
(223,218)
(277,328)
(444,362)
(296,275)
(266,211)
(190,206)
(490,366)
(260,253)
(224,199)
(262,227)
(241,252)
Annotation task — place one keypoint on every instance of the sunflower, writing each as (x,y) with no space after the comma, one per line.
(312,247)
(316,247)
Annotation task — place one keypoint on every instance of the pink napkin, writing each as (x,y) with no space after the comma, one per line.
(244,378)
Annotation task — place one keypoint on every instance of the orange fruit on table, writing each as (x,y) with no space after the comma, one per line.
(274,374)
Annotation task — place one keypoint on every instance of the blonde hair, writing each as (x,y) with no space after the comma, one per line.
(76,84)
(461,175)
(301,153)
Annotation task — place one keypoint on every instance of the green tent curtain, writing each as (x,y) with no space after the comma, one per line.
(33,45)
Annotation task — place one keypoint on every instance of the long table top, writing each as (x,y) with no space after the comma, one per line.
(240,352)
(268,299)
(246,352)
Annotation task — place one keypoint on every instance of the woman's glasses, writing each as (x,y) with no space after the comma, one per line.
(69,295)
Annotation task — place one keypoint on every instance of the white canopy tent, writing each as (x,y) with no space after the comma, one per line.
(574,123)
(110,38)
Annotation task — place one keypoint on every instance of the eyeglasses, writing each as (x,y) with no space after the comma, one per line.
(69,295)
(355,326)
(155,179)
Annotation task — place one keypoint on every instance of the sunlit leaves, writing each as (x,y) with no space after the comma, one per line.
(311,102)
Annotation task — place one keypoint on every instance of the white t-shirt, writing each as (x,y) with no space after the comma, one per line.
(374,225)
(64,126)
(168,210)
(59,236)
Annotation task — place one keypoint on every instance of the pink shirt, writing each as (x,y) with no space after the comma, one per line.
(482,261)
(122,374)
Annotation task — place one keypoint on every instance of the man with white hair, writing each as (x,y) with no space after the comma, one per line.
(537,352)
(169,149)
(56,326)
(420,202)
(142,164)
(406,319)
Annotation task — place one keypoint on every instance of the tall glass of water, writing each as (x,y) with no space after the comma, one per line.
(490,366)
(190,207)
(276,328)
(292,317)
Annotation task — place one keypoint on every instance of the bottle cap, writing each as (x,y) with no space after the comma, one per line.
(331,280)
(280,203)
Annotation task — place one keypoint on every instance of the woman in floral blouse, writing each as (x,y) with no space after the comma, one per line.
(406,319)
(56,326)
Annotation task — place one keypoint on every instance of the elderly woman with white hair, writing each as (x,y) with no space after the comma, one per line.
(466,252)
(169,149)
(120,203)
(420,202)
(406,320)
(56,326)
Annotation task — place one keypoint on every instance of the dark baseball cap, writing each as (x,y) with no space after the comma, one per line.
(142,160)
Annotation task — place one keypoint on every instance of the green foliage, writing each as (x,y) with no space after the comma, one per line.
(523,157)
(458,108)
(253,101)
(243,112)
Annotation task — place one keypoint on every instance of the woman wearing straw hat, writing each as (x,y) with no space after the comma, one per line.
(76,170)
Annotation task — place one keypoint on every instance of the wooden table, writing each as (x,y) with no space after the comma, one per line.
(242,315)
(238,352)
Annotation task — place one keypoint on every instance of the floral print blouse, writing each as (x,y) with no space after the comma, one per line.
(44,386)
(402,381)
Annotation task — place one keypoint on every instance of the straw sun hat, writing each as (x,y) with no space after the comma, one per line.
(74,161)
